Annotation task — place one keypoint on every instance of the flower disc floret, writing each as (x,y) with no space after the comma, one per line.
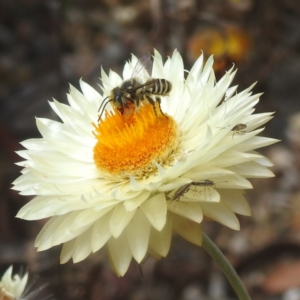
(132,147)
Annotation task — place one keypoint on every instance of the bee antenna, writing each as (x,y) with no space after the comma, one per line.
(103,101)
(103,108)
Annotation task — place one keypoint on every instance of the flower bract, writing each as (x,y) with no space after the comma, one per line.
(12,287)
(131,180)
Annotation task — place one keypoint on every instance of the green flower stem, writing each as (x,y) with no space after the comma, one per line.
(226,267)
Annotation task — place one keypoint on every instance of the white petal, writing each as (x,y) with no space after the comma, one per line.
(234,182)
(206,71)
(160,241)
(264,161)
(67,251)
(90,93)
(191,211)
(229,158)
(90,110)
(252,170)
(20,287)
(189,230)
(135,185)
(230,91)
(204,194)
(54,134)
(203,173)
(138,232)
(155,209)
(158,70)
(39,208)
(254,143)
(236,201)
(221,213)
(135,202)
(123,192)
(119,219)
(107,84)
(174,74)
(35,144)
(66,228)
(57,230)
(127,71)
(119,254)
(257,120)
(176,183)
(115,78)
(7,277)
(82,246)
(154,254)
(88,216)
(101,233)
(195,71)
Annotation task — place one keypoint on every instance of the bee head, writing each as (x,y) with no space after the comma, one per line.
(117,97)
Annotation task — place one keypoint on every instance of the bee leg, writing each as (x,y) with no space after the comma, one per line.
(137,104)
(158,100)
(152,102)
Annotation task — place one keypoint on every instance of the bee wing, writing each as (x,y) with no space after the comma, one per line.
(143,67)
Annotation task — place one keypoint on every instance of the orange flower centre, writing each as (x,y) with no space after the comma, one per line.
(132,145)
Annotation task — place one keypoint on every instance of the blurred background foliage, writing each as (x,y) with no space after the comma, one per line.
(47,44)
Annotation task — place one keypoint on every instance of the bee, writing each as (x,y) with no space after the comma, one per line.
(185,188)
(128,96)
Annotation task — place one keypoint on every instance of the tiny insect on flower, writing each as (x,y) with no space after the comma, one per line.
(184,189)
(239,129)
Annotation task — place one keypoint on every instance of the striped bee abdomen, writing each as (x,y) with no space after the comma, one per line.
(158,87)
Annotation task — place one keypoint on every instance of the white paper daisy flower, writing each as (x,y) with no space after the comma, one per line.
(12,287)
(128,183)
